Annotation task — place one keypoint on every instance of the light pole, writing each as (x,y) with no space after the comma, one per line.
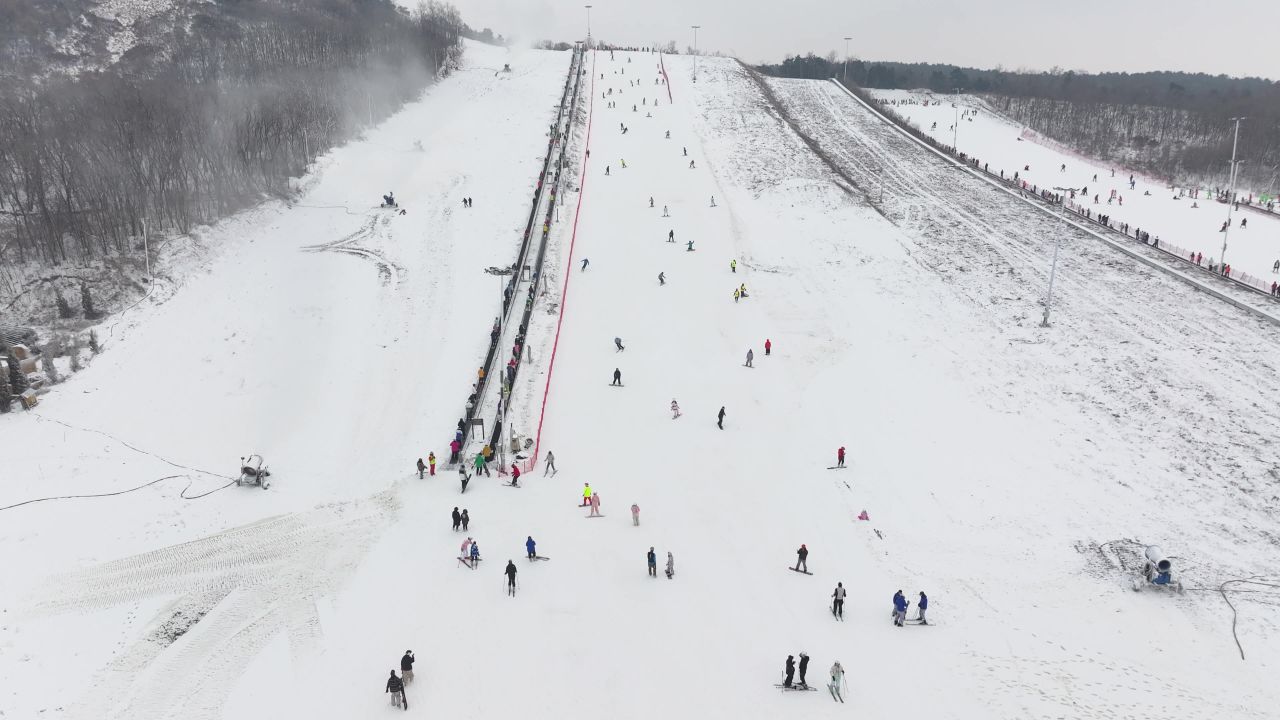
(588,7)
(846,60)
(1057,243)
(955,129)
(1231,193)
(695,51)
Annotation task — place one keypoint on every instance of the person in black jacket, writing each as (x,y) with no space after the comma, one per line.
(791,671)
(396,688)
(804,667)
(406,667)
(720,418)
(457,519)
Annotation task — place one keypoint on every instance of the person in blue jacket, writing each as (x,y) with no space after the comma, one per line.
(899,606)
(475,554)
(923,605)
(531,546)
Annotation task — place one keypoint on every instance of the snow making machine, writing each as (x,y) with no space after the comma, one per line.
(254,472)
(1157,572)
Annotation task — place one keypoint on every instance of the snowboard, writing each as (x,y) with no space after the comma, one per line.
(593,516)
(511,485)
(805,572)
(838,467)
(616,385)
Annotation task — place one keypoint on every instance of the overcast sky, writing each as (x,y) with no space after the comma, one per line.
(1235,38)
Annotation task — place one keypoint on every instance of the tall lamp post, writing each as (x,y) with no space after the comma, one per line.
(695,51)
(955,129)
(588,7)
(846,60)
(1057,243)
(1231,194)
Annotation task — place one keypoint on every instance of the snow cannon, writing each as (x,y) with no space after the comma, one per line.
(1158,571)
(1156,558)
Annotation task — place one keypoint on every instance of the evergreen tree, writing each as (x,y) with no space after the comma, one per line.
(17,380)
(93,341)
(86,302)
(64,307)
(50,369)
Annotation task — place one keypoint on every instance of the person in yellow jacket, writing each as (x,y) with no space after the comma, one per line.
(736,295)
(733,266)
(586,494)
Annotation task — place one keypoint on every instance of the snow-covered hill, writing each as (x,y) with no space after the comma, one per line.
(1012,472)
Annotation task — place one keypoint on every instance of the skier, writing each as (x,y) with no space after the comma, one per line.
(804,667)
(665,212)
(635,514)
(606,169)
(671,236)
(650,201)
(466,548)
(406,667)
(585,263)
(662,279)
(463,477)
(837,681)
(515,475)
(531,547)
(422,468)
(791,671)
(802,559)
(618,343)
(686,151)
(466,519)
(457,519)
(750,356)
(840,457)
(551,465)
(733,266)
(720,418)
(655,82)
(595,505)
(671,571)
(652,557)
(675,409)
(923,605)
(586,494)
(899,608)
(837,602)
(617,377)
(431,463)
(475,553)
(691,165)
(768,346)
(713,201)
(396,688)
(510,572)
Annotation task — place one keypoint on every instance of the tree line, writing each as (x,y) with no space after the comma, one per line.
(1173,124)
(230,108)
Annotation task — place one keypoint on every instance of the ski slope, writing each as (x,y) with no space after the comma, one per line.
(1009,471)
(1152,205)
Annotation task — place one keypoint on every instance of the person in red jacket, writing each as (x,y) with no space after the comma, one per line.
(767,346)
(840,457)
(515,475)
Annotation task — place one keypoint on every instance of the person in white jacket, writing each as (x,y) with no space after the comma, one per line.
(671,566)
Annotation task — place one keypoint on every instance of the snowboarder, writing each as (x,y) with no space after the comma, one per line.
(686,151)
(837,601)
(406,667)
(837,681)
(652,558)
(422,468)
(804,667)
(689,247)
(655,82)
(510,572)
(515,475)
(691,165)
(551,465)
(618,343)
(790,671)
(431,463)
(396,688)
(606,169)
(923,605)
(457,519)
(675,409)
(720,418)
(750,356)
(840,457)
(481,467)
(635,514)
(768,346)
(662,278)
(463,477)
(617,377)
(586,494)
(671,571)
(733,266)
(466,519)
(802,559)
(713,201)
(531,547)
(585,263)
(595,505)
(665,212)
(899,608)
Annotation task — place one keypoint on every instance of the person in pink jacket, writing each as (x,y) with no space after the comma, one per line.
(635,514)
(595,504)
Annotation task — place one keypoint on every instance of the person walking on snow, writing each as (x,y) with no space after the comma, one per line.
(840,457)
(923,605)
(422,468)
(396,688)
(466,519)
(531,547)
(510,572)
(463,477)
(635,514)
(837,601)
(736,294)
(650,201)
(618,343)
(713,201)
(551,465)
(675,409)
(802,559)
(720,418)
(585,263)
(406,667)
(768,347)
(586,494)
(899,608)
(617,377)
(481,467)
(671,565)
(750,356)
(457,519)
(595,505)
(431,463)
(733,266)
(689,247)
(671,236)
(652,557)
(665,212)
(804,668)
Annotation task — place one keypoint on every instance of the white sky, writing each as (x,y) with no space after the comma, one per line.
(1236,38)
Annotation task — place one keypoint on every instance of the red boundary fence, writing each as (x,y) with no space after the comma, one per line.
(568,273)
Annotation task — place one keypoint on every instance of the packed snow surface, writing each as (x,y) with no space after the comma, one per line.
(1012,472)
